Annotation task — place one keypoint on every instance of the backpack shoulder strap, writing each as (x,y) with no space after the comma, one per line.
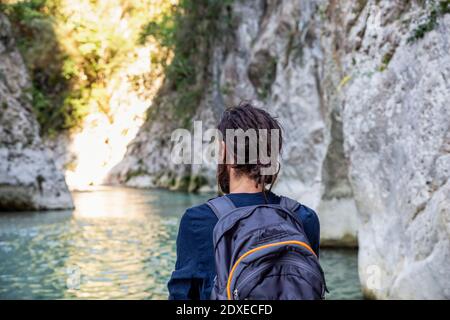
(221,206)
(289,204)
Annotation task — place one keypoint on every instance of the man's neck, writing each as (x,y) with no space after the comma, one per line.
(244,185)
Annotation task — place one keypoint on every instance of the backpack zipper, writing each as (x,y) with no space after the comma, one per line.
(230,277)
(244,281)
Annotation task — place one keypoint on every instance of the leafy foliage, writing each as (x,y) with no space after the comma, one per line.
(73,48)
(438,9)
(33,26)
(189,30)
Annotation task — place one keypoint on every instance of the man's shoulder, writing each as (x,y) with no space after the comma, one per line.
(307,214)
(199,212)
(198,222)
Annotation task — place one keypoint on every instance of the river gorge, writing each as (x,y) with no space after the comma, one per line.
(362,89)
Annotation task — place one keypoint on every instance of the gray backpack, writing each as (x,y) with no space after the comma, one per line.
(262,253)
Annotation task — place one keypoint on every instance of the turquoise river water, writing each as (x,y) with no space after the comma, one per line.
(118,243)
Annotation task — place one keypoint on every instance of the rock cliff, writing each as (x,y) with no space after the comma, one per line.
(396,116)
(362,90)
(28,177)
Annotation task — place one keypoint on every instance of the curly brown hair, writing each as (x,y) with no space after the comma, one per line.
(245,116)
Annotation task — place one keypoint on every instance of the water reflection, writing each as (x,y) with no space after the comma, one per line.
(341,271)
(118,243)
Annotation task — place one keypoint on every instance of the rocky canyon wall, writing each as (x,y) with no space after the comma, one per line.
(29,179)
(270,53)
(362,90)
(396,122)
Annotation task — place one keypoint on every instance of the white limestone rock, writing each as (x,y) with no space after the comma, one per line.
(28,177)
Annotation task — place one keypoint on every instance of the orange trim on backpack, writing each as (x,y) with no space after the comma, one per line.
(300,243)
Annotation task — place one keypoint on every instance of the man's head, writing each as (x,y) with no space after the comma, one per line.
(251,156)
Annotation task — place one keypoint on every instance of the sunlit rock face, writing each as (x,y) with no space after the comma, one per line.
(86,154)
(29,179)
(119,96)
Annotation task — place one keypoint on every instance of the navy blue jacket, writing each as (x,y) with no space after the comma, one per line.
(195,269)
